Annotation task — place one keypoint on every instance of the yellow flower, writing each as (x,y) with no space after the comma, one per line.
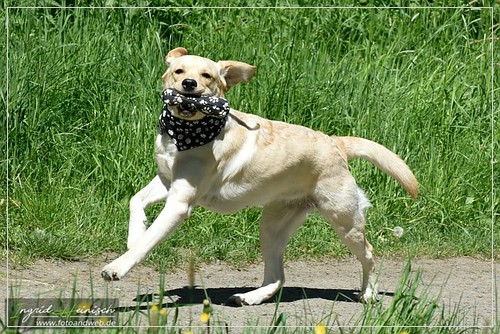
(205,317)
(189,332)
(153,320)
(103,321)
(404,332)
(163,312)
(84,307)
(320,328)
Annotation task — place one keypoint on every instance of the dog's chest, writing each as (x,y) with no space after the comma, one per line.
(227,193)
(165,155)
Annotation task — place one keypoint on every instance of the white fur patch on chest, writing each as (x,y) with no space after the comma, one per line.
(165,155)
(240,159)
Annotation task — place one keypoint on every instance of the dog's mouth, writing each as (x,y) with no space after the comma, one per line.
(186,113)
(182,110)
(188,104)
(195,95)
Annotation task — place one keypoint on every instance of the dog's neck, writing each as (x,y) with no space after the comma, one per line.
(187,134)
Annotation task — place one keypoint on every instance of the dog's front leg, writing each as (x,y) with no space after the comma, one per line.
(177,207)
(154,192)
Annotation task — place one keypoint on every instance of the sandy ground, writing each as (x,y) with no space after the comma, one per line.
(314,291)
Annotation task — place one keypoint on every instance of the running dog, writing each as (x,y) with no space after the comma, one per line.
(225,160)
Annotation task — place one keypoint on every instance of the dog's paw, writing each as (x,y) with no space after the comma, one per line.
(250,298)
(235,300)
(368,296)
(257,296)
(109,273)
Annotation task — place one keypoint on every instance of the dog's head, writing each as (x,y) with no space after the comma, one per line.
(196,76)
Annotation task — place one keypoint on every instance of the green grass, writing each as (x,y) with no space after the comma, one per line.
(83,97)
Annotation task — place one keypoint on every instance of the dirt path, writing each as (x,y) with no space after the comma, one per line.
(330,286)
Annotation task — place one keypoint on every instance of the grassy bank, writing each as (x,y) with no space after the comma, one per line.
(83,102)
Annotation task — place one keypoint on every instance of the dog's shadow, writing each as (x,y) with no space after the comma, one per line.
(219,296)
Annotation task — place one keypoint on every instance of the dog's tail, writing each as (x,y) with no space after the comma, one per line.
(381,157)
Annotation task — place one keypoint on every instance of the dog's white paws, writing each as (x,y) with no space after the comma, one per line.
(111,273)
(368,296)
(255,297)
(241,299)
(235,300)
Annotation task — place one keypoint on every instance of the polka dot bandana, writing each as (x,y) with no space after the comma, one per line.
(188,134)
(209,105)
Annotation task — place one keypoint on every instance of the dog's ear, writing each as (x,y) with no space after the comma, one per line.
(175,53)
(235,72)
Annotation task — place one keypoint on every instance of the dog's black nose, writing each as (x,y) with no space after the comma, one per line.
(189,84)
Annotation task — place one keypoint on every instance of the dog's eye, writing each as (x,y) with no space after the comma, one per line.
(206,75)
(179,71)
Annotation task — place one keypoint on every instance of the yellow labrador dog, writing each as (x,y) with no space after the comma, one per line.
(248,161)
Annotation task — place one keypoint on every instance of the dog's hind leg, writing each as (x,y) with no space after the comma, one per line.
(345,209)
(278,223)
(154,192)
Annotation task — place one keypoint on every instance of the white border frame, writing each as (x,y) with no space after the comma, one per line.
(494,306)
